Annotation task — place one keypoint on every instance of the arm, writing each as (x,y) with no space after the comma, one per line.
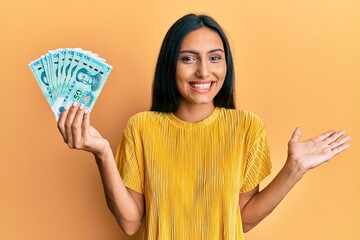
(302,156)
(126,205)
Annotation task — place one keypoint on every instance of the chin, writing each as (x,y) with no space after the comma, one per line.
(203,101)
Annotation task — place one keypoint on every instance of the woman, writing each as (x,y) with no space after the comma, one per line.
(191,166)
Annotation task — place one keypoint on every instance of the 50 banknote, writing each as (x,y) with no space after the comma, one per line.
(68,75)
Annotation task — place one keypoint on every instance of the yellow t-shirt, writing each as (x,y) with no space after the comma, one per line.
(191,174)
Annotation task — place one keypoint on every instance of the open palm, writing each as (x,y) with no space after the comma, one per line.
(311,153)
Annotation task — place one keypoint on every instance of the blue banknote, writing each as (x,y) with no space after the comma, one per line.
(38,70)
(68,75)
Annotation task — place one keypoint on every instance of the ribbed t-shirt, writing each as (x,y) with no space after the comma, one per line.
(191,174)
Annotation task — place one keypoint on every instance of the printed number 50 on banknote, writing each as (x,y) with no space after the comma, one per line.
(86,83)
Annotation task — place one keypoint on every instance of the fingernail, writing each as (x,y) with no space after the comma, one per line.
(86,111)
(67,107)
(82,106)
(75,104)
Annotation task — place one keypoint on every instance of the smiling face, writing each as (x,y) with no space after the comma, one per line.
(200,68)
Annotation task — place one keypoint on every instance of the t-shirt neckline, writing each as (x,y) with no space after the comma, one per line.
(195,125)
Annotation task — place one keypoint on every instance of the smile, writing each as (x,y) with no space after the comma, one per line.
(201,87)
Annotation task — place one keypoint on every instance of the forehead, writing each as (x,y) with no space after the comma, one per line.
(202,38)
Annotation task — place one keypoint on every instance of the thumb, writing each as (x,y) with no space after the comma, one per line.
(296,135)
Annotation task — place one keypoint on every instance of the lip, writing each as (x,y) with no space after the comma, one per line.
(202,90)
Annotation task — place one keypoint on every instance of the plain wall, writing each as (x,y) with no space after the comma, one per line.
(297,64)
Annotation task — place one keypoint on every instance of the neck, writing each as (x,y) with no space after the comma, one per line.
(194,113)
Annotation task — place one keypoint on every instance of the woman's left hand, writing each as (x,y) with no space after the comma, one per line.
(315,151)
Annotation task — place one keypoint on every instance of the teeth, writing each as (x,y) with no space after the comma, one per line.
(200,85)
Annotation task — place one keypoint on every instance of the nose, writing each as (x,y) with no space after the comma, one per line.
(202,70)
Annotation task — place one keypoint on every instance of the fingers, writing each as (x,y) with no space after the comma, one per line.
(340,148)
(61,123)
(296,135)
(333,137)
(71,125)
(86,128)
(326,135)
(76,127)
(68,124)
(339,142)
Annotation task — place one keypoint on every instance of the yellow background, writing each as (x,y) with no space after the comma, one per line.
(297,64)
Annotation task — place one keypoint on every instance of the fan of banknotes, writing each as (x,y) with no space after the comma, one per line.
(69,75)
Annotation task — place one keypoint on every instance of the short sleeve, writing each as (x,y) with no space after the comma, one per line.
(129,160)
(258,164)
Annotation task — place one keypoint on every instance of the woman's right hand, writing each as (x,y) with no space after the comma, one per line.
(74,126)
(126,205)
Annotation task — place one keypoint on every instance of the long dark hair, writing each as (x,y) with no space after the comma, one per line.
(165,96)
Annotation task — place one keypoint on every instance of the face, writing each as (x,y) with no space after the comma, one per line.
(84,78)
(200,68)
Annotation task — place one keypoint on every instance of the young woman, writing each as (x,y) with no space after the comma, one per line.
(190,168)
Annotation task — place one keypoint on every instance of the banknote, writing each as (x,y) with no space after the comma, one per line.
(71,62)
(62,55)
(38,70)
(68,75)
(53,58)
(86,82)
(44,60)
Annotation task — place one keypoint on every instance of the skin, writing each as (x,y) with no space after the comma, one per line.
(199,63)
(201,60)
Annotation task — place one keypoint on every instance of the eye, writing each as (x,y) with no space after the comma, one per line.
(188,59)
(215,58)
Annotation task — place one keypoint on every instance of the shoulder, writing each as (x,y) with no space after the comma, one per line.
(243,116)
(244,122)
(145,118)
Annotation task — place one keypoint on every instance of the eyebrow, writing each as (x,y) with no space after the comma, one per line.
(194,52)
